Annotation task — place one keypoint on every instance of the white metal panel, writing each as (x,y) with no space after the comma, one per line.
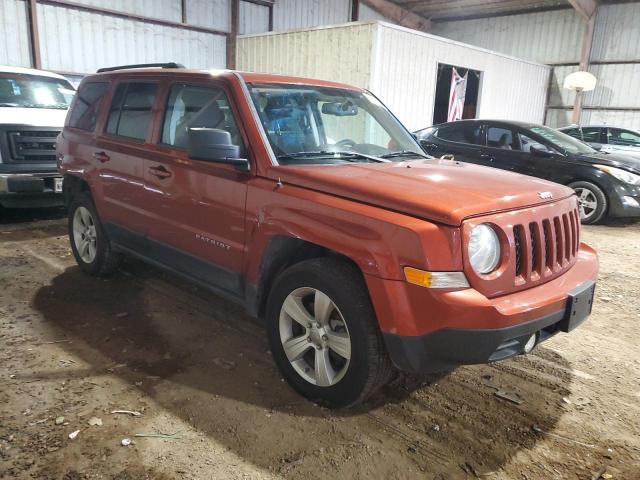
(405,75)
(617,36)
(558,95)
(214,14)
(557,118)
(254,18)
(615,118)
(292,14)
(72,40)
(14,34)
(342,53)
(546,37)
(163,9)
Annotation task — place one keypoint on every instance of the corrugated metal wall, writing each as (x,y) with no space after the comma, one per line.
(342,53)
(383,58)
(291,14)
(546,37)
(162,9)
(73,40)
(14,37)
(510,88)
(254,18)
(77,40)
(556,37)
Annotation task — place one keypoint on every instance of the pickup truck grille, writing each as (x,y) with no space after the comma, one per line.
(37,146)
(538,244)
(545,247)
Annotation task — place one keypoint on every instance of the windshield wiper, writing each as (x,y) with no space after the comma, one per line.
(346,155)
(404,153)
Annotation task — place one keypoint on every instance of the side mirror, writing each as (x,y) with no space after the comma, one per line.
(214,145)
(540,150)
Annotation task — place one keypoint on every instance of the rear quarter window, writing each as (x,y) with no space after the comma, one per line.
(86,106)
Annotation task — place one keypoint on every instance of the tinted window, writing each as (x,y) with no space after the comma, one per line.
(461,133)
(623,137)
(501,138)
(589,134)
(130,113)
(526,142)
(87,105)
(192,106)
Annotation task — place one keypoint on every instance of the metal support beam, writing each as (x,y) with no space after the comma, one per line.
(398,14)
(183,10)
(585,57)
(34,36)
(355,10)
(586,8)
(232,38)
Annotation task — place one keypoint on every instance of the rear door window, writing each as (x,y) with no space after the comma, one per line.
(503,138)
(471,134)
(85,109)
(131,110)
(590,134)
(623,137)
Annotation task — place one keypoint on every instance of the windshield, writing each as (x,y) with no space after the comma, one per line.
(563,141)
(306,124)
(29,91)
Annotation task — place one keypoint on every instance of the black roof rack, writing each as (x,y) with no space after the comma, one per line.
(141,65)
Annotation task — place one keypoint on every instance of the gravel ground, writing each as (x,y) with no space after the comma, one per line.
(198,370)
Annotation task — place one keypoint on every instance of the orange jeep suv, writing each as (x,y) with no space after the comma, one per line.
(310,204)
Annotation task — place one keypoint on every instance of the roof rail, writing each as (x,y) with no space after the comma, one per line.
(141,65)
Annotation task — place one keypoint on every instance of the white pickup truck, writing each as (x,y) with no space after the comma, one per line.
(33,107)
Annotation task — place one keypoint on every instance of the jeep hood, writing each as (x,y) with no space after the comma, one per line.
(441,190)
(35,117)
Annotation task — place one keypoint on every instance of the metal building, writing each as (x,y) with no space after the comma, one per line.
(400,66)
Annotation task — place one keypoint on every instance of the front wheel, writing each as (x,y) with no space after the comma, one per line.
(89,242)
(324,335)
(592,202)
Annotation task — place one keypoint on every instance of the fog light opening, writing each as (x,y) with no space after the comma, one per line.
(533,339)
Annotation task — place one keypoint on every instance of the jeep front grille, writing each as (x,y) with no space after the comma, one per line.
(546,246)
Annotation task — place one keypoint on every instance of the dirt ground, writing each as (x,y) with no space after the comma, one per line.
(199,370)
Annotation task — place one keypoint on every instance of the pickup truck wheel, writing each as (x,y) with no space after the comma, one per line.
(592,202)
(324,335)
(89,242)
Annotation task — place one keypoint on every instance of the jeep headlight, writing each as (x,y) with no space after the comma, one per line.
(484,249)
(622,175)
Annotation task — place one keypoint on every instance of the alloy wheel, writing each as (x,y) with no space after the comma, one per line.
(587,202)
(315,337)
(84,234)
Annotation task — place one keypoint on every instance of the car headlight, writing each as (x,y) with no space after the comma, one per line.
(484,249)
(622,175)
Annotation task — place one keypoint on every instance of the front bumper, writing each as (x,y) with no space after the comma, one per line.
(426,330)
(625,202)
(30,190)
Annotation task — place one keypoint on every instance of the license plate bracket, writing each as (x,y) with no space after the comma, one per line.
(579,305)
(57,184)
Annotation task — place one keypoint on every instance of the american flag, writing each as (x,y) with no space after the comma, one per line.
(456,95)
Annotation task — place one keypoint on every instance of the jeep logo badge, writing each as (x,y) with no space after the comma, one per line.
(545,195)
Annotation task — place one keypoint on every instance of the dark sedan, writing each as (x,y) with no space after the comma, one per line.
(607,184)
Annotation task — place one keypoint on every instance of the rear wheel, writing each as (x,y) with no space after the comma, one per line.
(89,242)
(592,202)
(324,335)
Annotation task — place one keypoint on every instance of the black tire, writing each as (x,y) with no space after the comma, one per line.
(595,192)
(106,260)
(369,367)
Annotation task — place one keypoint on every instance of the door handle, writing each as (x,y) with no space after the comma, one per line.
(160,172)
(101,157)
(486,156)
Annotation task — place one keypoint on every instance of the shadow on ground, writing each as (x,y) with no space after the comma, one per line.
(203,360)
